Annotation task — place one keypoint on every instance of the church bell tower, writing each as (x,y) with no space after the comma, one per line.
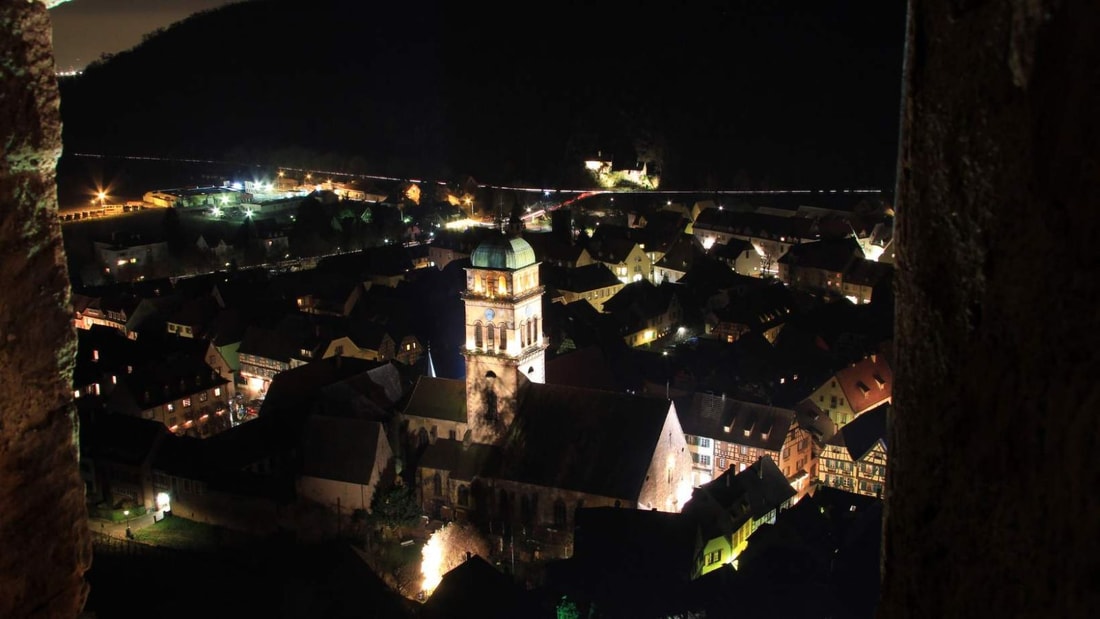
(504,343)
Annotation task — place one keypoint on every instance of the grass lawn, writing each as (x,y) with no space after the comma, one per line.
(392,555)
(176,532)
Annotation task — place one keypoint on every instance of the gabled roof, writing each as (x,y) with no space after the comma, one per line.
(198,312)
(184,456)
(355,397)
(735,421)
(327,288)
(709,273)
(757,225)
(578,279)
(122,438)
(438,398)
(104,350)
(868,383)
(612,250)
(648,545)
(463,241)
(227,327)
(585,440)
(681,254)
(641,300)
(174,375)
(753,492)
(366,335)
(552,247)
(833,255)
(294,392)
(463,460)
(867,272)
(476,589)
(585,367)
(731,249)
(340,449)
(865,431)
(267,344)
(382,260)
(759,308)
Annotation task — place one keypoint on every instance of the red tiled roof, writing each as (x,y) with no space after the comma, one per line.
(867,383)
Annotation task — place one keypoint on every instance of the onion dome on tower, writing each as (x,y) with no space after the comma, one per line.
(507,251)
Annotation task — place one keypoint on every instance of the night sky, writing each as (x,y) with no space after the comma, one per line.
(723,94)
(86,29)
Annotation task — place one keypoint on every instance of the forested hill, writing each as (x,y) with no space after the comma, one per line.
(795,94)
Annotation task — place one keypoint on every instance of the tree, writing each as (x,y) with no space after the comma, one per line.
(394,507)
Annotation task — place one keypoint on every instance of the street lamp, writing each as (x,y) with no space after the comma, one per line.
(126,513)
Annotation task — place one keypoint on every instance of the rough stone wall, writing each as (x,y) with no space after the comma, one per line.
(991,493)
(45,546)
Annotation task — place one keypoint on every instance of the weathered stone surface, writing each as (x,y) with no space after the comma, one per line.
(43,523)
(991,492)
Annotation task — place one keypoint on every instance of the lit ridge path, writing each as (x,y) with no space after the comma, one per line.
(578,194)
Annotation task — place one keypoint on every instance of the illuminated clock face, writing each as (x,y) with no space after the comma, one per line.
(489,313)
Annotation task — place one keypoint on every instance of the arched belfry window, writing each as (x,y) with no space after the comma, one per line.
(529,339)
(477,335)
(503,337)
(492,335)
(535,328)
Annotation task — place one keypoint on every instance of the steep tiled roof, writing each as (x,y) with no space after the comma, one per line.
(340,449)
(438,398)
(613,250)
(122,438)
(580,279)
(867,384)
(861,435)
(585,440)
(681,253)
(757,225)
(867,272)
(585,367)
(464,461)
(735,421)
(173,376)
(834,255)
(754,491)
(266,343)
(477,589)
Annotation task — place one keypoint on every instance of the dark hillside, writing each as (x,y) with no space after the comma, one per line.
(715,95)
